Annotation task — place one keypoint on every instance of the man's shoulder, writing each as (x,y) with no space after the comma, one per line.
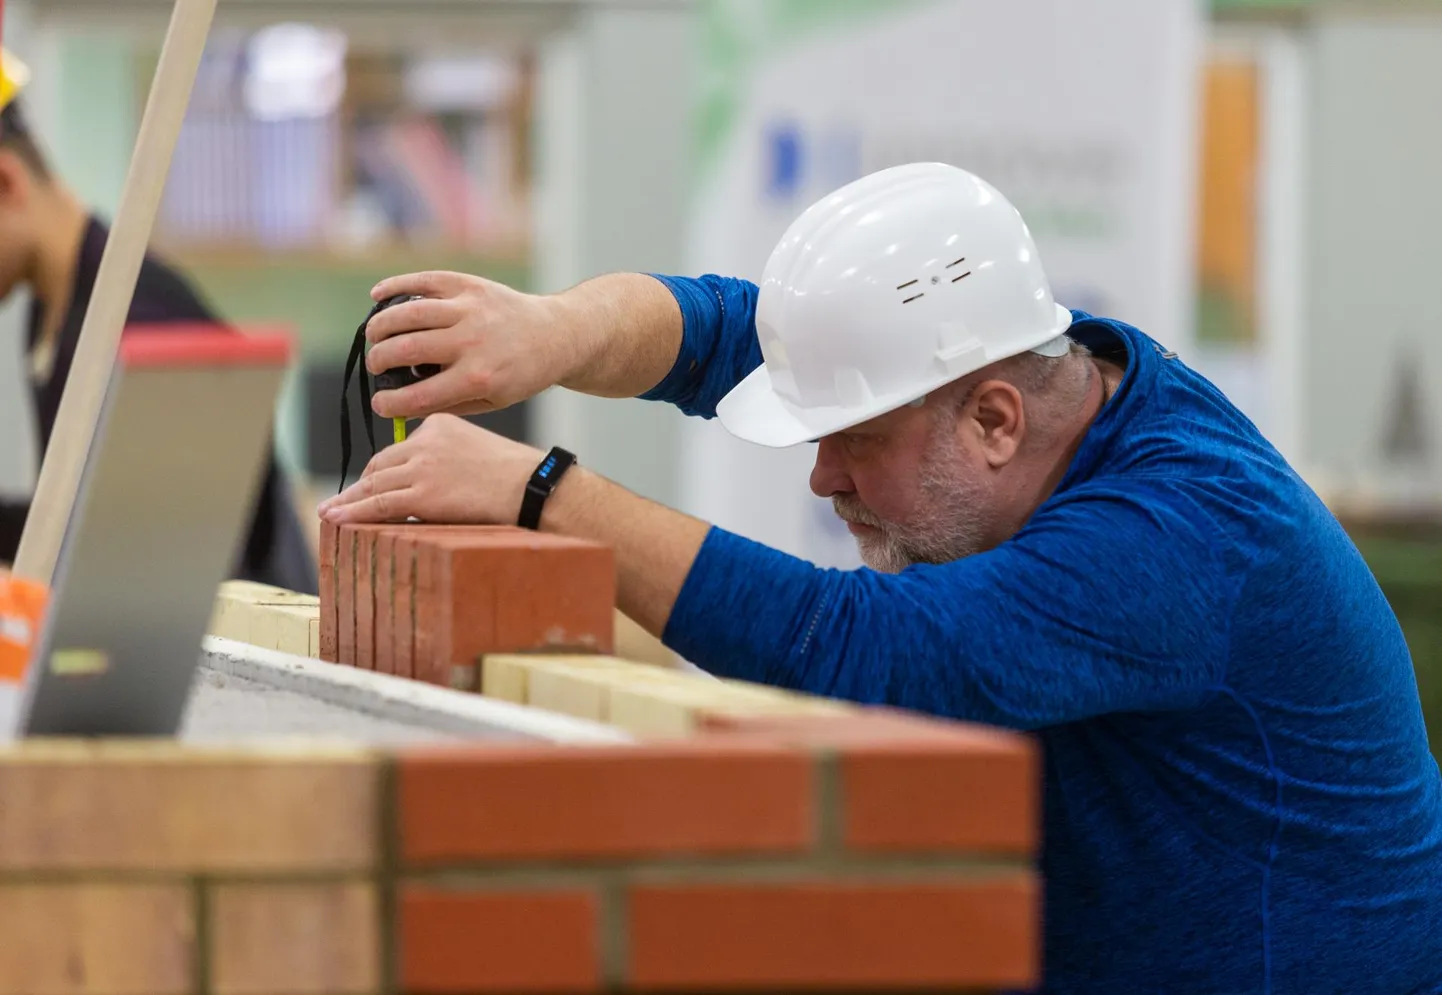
(163,293)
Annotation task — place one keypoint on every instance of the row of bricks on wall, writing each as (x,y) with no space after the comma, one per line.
(427,601)
(873,852)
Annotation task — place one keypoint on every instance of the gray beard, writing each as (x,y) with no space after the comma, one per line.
(950,525)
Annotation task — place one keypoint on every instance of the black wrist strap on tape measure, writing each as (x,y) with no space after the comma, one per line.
(357,350)
(389,380)
(543,481)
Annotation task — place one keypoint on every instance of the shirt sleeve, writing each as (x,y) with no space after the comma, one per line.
(1108,601)
(718,342)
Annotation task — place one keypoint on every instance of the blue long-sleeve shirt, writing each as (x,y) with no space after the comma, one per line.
(1239,795)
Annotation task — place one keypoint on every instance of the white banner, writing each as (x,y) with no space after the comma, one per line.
(1083,114)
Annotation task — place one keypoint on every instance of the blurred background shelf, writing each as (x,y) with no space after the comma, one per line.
(323,295)
(1404,551)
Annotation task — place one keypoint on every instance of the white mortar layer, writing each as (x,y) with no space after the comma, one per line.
(399,699)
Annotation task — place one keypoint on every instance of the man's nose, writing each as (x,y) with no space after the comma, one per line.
(829,476)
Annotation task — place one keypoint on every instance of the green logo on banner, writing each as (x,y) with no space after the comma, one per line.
(737,35)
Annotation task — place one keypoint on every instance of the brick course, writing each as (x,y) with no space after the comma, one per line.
(761,855)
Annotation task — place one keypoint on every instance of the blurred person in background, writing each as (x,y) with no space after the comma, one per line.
(1067,531)
(52,244)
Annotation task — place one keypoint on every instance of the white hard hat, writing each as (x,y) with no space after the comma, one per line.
(883,291)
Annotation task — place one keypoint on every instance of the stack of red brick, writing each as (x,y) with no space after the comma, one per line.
(873,853)
(427,601)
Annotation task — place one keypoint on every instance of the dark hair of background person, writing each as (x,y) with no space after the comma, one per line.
(15,136)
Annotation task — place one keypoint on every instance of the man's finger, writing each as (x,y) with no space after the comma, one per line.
(438,346)
(470,408)
(389,458)
(374,482)
(387,506)
(446,392)
(430,283)
(413,316)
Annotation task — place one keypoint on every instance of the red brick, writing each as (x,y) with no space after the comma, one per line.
(557,594)
(915,797)
(595,802)
(507,592)
(521,941)
(426,615)
(384,595)
(912,783)
(405,605)
(345,595)
(365,600)
(832,934)
(329,542)
(403,622)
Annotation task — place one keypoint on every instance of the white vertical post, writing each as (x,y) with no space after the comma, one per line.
(615,109)
(1282,195)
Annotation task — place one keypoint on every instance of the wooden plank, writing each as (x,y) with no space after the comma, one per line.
(635,643)
(505,678)
(283,627)
(643,699)
(269,617)
(105,318)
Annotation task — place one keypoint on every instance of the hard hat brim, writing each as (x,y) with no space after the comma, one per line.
(753,411)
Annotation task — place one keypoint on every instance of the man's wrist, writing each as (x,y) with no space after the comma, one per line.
(572,337)
(546,474)
(562,511)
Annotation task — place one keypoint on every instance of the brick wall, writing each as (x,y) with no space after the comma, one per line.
(867,852)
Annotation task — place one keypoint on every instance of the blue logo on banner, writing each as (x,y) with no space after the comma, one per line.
(783,161)
(792,160)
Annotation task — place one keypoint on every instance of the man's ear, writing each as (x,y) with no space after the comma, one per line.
(16,183)
(996,415)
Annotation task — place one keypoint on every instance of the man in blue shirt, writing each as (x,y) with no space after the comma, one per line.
(1075,535)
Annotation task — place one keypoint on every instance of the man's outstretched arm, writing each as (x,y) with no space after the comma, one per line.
(677,339)
(450,471)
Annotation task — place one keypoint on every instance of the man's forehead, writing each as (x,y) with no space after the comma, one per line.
(897,418)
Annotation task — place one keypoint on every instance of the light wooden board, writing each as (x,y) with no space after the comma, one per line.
(267,617)
(646,701)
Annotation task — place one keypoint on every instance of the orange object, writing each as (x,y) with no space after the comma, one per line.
(22,612)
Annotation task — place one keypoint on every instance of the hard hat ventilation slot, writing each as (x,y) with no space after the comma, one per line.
(962,277)
(911,283)
(955,262)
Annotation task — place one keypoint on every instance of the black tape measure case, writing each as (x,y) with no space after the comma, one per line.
(392,379)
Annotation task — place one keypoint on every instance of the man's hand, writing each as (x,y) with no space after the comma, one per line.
(449,471)
(613,336)
(452,472)
(496,346)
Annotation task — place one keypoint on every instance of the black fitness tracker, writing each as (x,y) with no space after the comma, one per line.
(541,484)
